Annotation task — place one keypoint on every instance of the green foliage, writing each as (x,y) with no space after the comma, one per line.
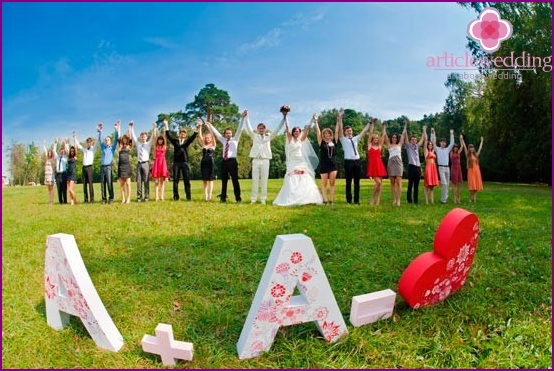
(514,115)
(199,272)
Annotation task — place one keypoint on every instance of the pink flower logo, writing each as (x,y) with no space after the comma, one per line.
(490,30)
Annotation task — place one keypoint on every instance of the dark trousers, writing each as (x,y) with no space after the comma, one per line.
(61,186)
(178,169)
(352,172)
(414,175)
(106,181)
(230,168)
(87,180)
(143,178)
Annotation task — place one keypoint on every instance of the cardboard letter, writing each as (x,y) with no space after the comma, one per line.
(372,307)
(68,290)
(293,263)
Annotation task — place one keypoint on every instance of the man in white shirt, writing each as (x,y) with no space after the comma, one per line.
(443,157)
(229,164)
(88,158)
(61,170)
(260,154)
(352,164)
(143,166)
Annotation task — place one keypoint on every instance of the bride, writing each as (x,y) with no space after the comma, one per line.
(299,187)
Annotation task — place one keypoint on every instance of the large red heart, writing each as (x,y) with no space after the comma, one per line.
(433,276)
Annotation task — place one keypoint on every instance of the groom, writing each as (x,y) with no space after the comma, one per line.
(352,164)
(260,154)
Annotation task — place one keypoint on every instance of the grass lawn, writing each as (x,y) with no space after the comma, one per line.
(197,265)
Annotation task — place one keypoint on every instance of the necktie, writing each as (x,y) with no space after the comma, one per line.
(60,165)
(226,153)
(353,147)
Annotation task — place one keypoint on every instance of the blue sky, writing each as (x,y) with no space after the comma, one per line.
(67,66)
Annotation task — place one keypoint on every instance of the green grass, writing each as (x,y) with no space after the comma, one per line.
(209,257)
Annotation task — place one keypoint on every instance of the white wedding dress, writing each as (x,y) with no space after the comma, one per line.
(299,187)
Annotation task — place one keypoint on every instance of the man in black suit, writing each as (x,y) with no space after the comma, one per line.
(180,159)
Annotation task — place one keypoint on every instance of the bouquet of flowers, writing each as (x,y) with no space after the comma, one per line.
(284,109)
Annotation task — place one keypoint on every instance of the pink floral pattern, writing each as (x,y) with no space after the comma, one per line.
(490,30)
(301,268)
(330,331)
(296,257)
(278,290)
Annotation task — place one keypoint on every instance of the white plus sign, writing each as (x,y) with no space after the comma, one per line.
(164,345)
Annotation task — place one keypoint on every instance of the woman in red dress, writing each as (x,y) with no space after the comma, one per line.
(430,176)
(375,166)
(159,168)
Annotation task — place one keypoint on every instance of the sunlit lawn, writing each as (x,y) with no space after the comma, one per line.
(197,265)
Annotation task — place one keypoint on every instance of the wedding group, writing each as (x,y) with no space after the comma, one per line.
(442,163)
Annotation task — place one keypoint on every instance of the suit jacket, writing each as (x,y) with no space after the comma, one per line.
(180,153)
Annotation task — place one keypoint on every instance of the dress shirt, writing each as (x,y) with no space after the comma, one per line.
(261,144)
(88,153)
(413,154)
(61,161)
(350,147)
(233,142)
(443,153)
(143,149)
(107,152)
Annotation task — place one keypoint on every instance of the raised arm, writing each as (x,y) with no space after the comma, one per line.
(77,144)
(199,136)
(364,130)
(214,132)
(451,144)
(132,130)
(306,130)
(384,137)
(425,151)
(404,136)
(287,128)
(317,130)
(433,138)
(480,147)
(276,131)
(423,135)
(239,131)
(247,127)
(339,131)
(463,144)
(371,125)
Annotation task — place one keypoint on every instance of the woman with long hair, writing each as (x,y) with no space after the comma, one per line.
(207,163)
(49,166)
(299,187)
(474,181)
(431,175)
(327,161)
(71,173)
(159,167)
(456,174)
(395,167)
(375,166)
(124,171)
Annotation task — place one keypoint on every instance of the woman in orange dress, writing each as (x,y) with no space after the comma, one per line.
(375,166)
(474,181)
(430,176)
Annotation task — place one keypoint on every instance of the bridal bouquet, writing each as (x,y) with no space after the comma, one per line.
(284,108)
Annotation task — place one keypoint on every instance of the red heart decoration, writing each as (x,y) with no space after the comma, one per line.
(433,276)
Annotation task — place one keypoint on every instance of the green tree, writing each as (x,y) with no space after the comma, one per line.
(515,115)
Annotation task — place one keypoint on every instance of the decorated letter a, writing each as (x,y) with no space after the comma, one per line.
(293,263)
(68,290)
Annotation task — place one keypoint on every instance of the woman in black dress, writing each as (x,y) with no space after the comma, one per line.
(71,165)
(207,163)
(327,161)
(124,168)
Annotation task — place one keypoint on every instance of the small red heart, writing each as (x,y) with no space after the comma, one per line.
(433,276)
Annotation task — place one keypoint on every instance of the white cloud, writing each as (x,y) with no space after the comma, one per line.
(268,40)
(162,42)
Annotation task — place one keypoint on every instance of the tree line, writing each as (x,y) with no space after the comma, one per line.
(514,115)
